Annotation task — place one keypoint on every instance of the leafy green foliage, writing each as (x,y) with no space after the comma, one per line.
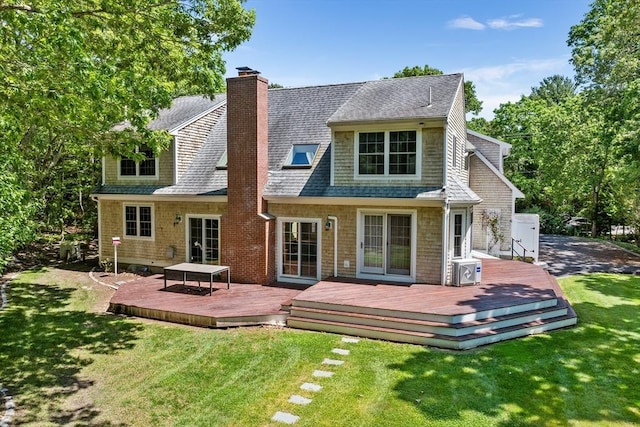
(471,101)
(72,70)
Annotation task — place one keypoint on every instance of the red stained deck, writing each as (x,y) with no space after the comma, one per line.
(504,284)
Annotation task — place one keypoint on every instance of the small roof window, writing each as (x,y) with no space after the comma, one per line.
(301,156)
(222,163)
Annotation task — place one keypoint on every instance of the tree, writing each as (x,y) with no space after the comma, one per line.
(607,62)
(71,70)
(555,89)
(471,101)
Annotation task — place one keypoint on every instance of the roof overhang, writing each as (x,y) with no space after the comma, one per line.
(359,201)
(160,197)
(422,122)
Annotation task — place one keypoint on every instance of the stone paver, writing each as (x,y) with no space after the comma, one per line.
(299,400)
(340,351)
(332,362)
(350,340)
(322,374)
(311,387)
(285,417)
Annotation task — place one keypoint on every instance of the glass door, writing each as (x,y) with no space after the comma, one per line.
(204,240)
(399,243)
(300,249)
(386,244)
(373,244)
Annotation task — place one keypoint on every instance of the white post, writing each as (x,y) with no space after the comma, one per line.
(116,241)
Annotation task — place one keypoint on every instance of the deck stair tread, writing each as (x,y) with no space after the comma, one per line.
(428,335)
(299,312)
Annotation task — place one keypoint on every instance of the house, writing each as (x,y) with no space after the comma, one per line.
(377,180)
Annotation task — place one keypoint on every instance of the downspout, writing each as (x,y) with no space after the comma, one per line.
(445,215)
(335,244)
(445,241)
(175,159)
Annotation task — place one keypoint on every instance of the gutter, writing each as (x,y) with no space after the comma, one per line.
(445,242)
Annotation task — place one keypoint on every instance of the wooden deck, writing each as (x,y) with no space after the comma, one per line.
(513,299)
(239,305)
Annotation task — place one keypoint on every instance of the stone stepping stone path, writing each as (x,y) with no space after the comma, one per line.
(288,418)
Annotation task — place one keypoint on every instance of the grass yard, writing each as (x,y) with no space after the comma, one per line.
(64,362)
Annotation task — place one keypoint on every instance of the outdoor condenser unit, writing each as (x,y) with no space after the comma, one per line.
(467,272)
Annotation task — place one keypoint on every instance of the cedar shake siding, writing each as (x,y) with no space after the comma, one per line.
(429,237)
(495,194)
(431,171)
(164,165)
(457,125)
(166,233)
(260,188)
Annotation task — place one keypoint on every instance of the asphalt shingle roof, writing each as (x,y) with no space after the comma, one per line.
(182,110)
(302,115)
(404,98)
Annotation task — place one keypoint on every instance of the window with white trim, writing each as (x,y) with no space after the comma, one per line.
(146,168)
(138,221)
(388,153)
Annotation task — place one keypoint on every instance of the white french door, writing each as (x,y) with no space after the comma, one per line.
(203,243)
(299,249)
(387,243)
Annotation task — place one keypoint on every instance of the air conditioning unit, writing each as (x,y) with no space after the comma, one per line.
(467,272)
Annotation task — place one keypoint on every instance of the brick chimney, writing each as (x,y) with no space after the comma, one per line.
(247,238)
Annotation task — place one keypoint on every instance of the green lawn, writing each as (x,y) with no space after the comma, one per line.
(66,363)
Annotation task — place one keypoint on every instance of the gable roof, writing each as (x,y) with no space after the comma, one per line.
(402,98)
(505,147)
(301,115)
(185,110)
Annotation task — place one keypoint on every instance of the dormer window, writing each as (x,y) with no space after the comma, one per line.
(389,154)
(146,168)
(222,163)
(301,156)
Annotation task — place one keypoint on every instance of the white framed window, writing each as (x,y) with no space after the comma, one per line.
(299,249)
(139,221)
(301,156)
(458,234)
(146,168)
(388,153)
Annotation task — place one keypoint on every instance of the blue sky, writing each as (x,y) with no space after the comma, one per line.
(504,46)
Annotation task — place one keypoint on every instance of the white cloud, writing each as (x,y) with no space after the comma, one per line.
(467,23)
(499,84)
(510,23)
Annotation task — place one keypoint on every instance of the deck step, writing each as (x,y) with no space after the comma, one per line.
(440,328)
(437,340)
(471,316)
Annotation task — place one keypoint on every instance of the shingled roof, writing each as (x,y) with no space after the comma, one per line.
(403,98)
(304,115)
